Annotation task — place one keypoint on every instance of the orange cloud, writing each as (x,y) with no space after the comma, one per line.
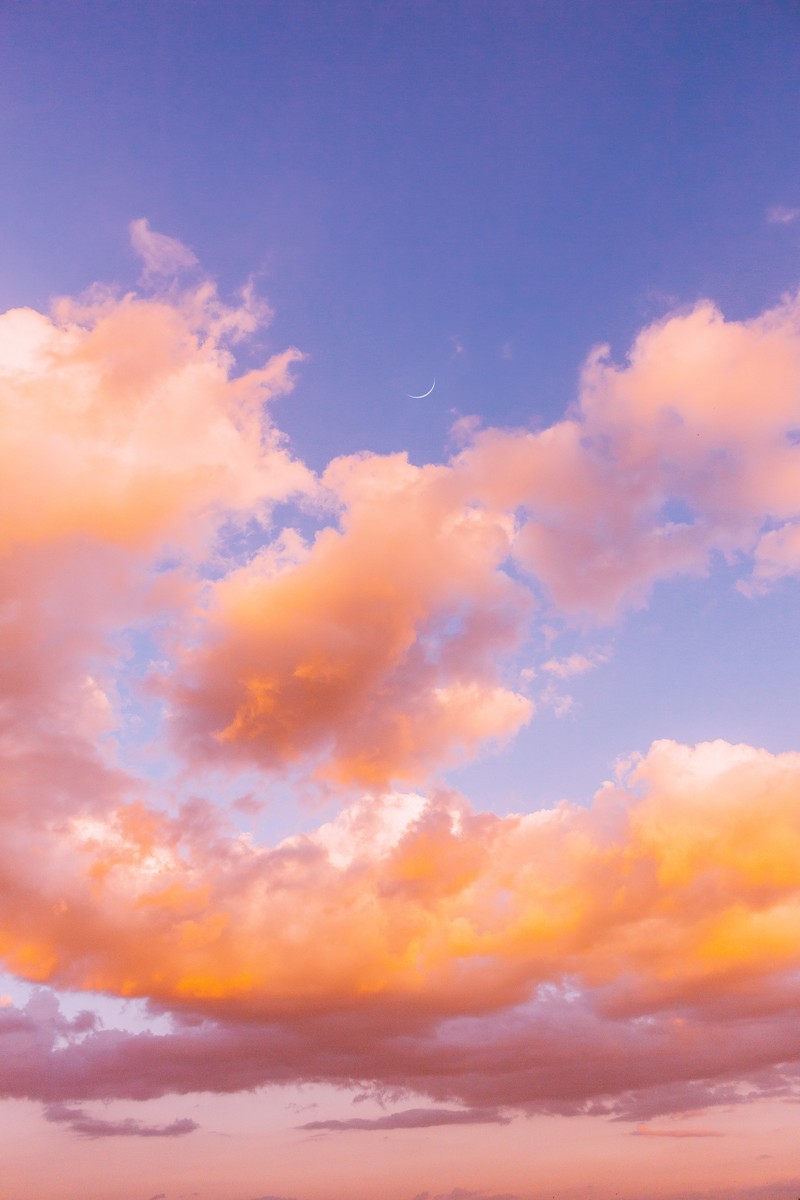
(554,958)
(125,434)
(634,958)
(376,652)
(377,647)
(685,895)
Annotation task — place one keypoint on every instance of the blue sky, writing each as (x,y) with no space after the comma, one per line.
(541,176)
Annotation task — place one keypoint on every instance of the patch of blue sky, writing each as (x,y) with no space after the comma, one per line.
(735,678)
(130,1015)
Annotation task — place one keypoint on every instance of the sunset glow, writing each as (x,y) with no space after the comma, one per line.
(400,791)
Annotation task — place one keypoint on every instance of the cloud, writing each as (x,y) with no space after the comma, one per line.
(574,664)
(634,955)
(376,652)
(90,1127)
(377,649)
(274,1197)
(779,1189)
(290,669)
(416,1118)
(633,958)
(648,1131)
(123,423)
(128,440)
(466,1194)
(654,472)
(779,214)
(162,255)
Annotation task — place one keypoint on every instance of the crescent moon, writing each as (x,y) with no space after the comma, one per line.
(424,394)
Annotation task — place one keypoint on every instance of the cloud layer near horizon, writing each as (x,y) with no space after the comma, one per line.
(144,581)
(644,948)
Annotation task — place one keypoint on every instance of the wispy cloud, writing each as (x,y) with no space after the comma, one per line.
(271,1197)
(162,255)
(416,1118)
(779,214)
(575,664)
(648,1131)
(81,1123)
(466,1194)
(778,1189)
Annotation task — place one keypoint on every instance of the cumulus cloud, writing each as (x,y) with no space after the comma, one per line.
(128,439)
(683,451)
(124,424)
(633,956)
(81,1123)
(376,651)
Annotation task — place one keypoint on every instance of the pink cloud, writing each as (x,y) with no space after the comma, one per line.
(161,255)
(701,416)
(634,956)
(378,651)
(551,1056)
(781,214)
(375,653)
(122,422)
(574,664)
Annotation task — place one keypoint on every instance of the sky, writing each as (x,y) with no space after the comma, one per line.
(399,555)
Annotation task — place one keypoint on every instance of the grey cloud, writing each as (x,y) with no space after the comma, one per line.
(464,1194)
(417,1118)
(274,1198)
(85,1125)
